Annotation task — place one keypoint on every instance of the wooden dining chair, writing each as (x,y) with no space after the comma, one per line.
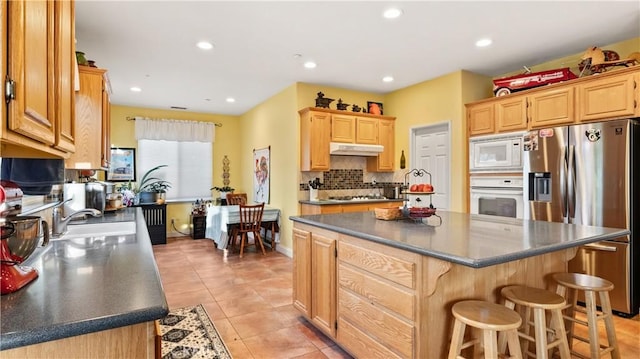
(250,221)
(236,198)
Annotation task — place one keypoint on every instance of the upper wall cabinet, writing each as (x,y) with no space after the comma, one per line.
(91,114)
(320,126)
(354,129)
(315,135)
(39,83)
(606,96)
(610,97)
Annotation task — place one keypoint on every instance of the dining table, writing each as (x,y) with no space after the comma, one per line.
(219,218)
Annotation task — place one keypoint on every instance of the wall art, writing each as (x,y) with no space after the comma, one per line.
(261,174)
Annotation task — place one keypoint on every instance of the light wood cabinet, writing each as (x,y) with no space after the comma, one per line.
(90,111)
(343,128)
(354,129)
(367,131)
(302,271)
(106,128)
(323,283)
(314,277)
(377,299)
(40,61)
(315,135)
(511,114)
(131,341)
(384,162)
(608,98)
(480,119)
(320,126)
(553,107)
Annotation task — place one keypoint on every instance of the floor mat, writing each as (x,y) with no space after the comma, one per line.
(189,333)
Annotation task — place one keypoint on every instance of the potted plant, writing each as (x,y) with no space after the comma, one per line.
(223,191)
(153,189)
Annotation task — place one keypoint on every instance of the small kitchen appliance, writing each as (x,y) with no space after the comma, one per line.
(19,239)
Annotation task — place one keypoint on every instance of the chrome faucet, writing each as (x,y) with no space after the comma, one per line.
(59,222)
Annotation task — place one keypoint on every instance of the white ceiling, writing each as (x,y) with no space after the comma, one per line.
(151,44)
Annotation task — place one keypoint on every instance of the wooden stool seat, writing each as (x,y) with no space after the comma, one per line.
(539,301)
(490,318)
(568,285)
(582,281)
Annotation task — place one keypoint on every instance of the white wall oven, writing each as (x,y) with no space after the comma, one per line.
(496,153)
(497,196)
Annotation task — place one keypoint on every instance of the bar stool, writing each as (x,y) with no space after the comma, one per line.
(539,301)
(490,318)
(568,285)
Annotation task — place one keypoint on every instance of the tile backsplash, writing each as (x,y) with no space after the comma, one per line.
(348,176)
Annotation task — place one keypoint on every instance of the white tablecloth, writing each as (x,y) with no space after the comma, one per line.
(219,217)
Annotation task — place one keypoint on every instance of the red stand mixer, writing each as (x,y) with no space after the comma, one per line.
(19,237)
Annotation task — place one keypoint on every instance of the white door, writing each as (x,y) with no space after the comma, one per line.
(431,146)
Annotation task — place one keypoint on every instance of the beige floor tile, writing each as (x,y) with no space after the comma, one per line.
(284,343)
(256,323)
(239,351)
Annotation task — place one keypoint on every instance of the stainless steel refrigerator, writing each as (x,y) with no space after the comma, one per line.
(588,174)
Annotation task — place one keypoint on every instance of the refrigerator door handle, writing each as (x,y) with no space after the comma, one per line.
(571,184)
(563,185)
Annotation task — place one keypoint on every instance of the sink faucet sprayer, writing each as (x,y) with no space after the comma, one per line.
(59,223)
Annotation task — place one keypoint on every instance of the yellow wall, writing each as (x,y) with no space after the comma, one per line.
(431,102)
(123,135)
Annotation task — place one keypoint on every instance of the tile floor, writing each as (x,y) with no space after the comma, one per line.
(249,301)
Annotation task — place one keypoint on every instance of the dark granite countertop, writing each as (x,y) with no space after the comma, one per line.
(324,202)
(471,240)
(86,285)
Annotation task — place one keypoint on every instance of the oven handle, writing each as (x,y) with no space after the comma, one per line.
(496,191)
(598,247)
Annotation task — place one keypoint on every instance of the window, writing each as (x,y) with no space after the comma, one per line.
(188,168)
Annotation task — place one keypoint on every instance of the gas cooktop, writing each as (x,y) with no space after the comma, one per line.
(355,198)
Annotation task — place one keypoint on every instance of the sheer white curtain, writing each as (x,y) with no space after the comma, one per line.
(174,130)
(185,147)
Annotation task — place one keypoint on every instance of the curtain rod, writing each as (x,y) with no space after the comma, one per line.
(217,124)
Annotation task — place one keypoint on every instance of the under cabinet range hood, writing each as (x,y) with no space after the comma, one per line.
(354,149)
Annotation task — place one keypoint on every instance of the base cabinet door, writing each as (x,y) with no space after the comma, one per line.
(302,271)
(314,276)
(323,283)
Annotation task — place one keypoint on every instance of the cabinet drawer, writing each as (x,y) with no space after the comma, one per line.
(376,291)
(389,330)
(359,344)
(390,266)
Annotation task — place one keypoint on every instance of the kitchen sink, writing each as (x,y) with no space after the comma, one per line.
(98,230)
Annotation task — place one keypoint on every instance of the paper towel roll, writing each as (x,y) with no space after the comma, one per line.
(76,191)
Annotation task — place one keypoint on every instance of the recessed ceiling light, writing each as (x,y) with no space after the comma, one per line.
(310,65)
(205,45)
(231,99)
(135,89)
(392,13)
(483,42)
(387,79)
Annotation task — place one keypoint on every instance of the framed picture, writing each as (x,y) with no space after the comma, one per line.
(374,108)
(123,165)
(261,174)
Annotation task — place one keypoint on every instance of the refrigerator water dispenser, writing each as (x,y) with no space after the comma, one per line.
(540,186)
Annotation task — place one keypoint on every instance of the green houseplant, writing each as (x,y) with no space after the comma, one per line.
(153,189)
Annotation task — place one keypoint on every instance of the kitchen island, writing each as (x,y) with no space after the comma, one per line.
(385,288)
(94,297)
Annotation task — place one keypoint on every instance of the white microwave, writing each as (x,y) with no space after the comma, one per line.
(496,153)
